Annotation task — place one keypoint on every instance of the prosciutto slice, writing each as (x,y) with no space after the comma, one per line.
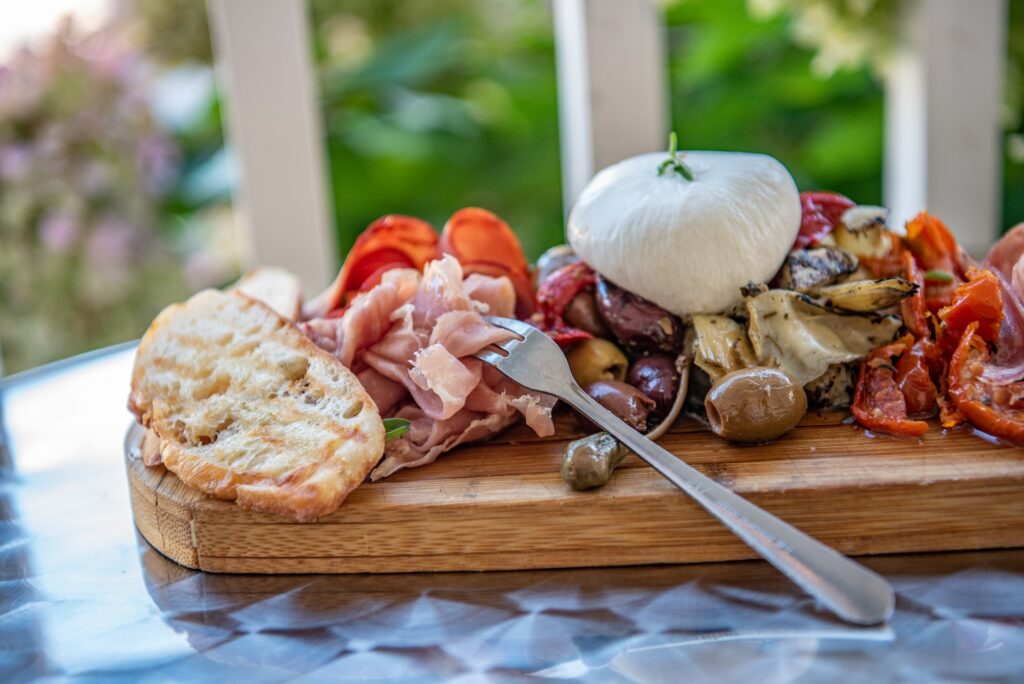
(1006,260)
(411,341)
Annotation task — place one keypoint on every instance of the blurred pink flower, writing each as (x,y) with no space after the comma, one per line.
(57,232)
(110,243)
(14,161)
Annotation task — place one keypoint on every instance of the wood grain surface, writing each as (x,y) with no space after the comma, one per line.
(501,505)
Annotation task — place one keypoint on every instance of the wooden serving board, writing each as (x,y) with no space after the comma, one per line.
(501,505)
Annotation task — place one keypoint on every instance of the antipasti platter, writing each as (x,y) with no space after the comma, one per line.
(861,381)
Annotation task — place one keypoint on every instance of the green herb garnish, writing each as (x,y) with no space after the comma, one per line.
(675,160)
(937,275)
(395,427)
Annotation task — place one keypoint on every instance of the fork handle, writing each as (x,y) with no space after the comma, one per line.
(848,589)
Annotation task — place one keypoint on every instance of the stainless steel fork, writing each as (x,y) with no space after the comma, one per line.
(848,589)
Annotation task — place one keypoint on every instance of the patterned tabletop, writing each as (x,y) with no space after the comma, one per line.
(82,596)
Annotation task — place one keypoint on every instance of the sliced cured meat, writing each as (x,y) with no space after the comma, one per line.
(1006,259)
(412,339)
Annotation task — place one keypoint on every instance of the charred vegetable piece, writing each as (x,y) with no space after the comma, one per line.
(641,326)
(554,259)
(590,461)
(995,409)
(700,385)
(806,269)
(596,359)
(755,405)
(864,296)
(720,345)
(657,377)
(627,402)
(582,314)
(861,231)
(878,403)
(834,389)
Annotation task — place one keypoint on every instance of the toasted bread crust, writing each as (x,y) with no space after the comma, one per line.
(247,409)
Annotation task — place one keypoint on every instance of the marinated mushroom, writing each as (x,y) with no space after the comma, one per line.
(627,402)
(590,461)
(596,359)
(657,377)
(755,405)
(582,313)
(640,325)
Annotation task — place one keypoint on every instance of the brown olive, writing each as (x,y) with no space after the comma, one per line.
(641,326)
(582,313)
(590,461)
(554,259)
(657,377)
(596,359)
(755,404)
(627,402)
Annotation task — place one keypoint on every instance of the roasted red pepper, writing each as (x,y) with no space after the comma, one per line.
(820,213)
(554,295)
(913,308)
(878,403)
(995,409)
(937,251)
(980,301)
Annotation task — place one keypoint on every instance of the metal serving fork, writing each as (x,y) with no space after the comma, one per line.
(848,589)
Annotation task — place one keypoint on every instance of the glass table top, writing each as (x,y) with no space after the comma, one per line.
(83,596)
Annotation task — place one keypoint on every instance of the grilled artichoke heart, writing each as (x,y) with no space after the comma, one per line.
(865,295)
(720,345)
(861,231)
(791,331)
(834,389)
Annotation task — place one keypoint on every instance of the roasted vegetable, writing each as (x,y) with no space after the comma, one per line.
(834,389)
(861,231)
(628,403)
(791,331)
(806,269)
(720,345)
(657,377)
(865,295)
(596,359)
(819,215)
(878,403)
(641,326)
(590,461)
(755,405)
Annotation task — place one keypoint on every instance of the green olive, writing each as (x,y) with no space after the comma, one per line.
(590,461)
(597,359)
(755,405)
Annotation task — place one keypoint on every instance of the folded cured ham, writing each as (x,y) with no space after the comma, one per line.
(411,340)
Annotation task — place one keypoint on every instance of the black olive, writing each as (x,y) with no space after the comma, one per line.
(627,402)
(552,260)
(582,313)
(641,326)
(657,377)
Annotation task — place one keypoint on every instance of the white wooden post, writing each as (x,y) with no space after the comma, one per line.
(282,207)
(612,85)
(943,99)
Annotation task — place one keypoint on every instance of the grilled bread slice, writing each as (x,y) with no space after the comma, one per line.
(246,408)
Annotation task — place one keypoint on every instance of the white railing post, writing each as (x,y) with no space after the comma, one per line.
(943,99)
(612,85)
(282,205)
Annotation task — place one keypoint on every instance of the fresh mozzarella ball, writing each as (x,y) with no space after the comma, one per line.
(688,246)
